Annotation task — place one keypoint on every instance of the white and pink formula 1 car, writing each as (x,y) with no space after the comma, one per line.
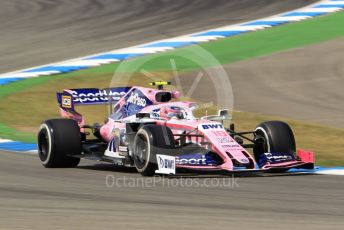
(153,132)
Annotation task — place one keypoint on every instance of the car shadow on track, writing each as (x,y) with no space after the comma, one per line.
(108,168)
(131,170)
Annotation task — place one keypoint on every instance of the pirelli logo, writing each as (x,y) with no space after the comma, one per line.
(67,101)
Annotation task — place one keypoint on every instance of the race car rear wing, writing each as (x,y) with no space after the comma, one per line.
(89,96)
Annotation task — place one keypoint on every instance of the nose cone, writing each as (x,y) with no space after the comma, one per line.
(238,156)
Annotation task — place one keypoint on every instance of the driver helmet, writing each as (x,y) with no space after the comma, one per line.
(171,112)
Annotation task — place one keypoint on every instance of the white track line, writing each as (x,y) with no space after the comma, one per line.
(5,140)
(338,172)
(320,10)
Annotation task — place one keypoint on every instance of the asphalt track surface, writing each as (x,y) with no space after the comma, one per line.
(38,32)
(304,83)
(32,197)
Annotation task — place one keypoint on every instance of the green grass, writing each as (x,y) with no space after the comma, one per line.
(13,134)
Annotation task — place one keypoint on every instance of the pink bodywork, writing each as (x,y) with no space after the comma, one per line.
(219,140)
(228,150)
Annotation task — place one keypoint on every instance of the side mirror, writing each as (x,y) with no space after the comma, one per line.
(223,114)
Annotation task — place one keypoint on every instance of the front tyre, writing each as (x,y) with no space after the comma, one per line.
(149,141)
(275,137)
(58,140)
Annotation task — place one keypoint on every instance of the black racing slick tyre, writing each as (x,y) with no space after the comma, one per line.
(58,140)
(276,136)
(149,141)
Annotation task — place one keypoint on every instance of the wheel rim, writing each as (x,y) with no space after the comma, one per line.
(265,145)
(141,152)
(43,145)
(262,148)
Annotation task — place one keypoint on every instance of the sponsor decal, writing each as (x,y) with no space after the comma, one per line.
(134,102)
(278,156)
(166,164)
(223,140)
(96,96)
(231,146)
(244,160)
(122,148)
(100,96)
(137,100)
(197,159)
(212,126)
(191,160)
(275,158)
(67,101)
(156,113)
(220,133)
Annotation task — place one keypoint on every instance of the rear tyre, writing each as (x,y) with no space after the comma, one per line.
(58,140)
(275,136)
(149,141)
